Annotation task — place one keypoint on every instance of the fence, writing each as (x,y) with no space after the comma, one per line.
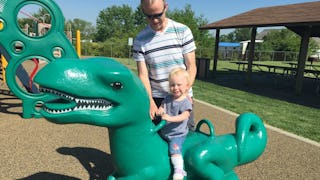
(259,55)
(125,51)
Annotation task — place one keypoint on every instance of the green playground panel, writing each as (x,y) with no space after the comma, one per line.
(18,47)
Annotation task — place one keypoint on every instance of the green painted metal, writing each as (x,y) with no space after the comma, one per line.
(102,92)
(39,47)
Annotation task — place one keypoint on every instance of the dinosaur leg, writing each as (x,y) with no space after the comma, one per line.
(145,174)
(231,176)
(111,178)
(134,177)
(209,162)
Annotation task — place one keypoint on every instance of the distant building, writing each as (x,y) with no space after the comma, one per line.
(265,32)
(229,45)
(244,45)
(227,49)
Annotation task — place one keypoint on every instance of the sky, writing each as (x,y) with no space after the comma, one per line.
(212,10)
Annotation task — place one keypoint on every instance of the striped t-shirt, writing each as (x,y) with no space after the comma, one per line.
(162,52)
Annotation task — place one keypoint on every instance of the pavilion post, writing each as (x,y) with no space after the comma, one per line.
(302,59)
(216,53)
(251,54)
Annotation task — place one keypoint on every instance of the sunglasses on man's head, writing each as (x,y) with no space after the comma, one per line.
(154,16)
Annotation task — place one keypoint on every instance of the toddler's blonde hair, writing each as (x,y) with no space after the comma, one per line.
(179,72)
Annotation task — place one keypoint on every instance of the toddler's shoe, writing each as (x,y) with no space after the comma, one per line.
(179,174)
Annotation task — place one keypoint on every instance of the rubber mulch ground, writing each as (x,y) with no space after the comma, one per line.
(37,149)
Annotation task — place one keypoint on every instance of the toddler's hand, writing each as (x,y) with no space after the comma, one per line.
(160,112)
(165,117)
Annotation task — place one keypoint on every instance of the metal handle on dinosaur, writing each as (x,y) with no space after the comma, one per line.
(209,124)
(159,126)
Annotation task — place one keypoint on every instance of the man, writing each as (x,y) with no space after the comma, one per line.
(162,46)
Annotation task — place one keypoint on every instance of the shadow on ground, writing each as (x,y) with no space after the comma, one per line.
(96,162)
(8,102)
(49,176)
(271,85)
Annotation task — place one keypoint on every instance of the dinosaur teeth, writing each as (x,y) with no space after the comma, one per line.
(89,107)
(55,111)
(77,108)
(46,90)
(81,104)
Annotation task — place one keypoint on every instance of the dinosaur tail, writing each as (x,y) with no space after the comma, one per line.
(251,136)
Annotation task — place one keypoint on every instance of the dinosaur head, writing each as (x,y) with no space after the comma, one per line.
(96,91)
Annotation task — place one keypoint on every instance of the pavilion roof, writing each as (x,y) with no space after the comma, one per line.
(296,17)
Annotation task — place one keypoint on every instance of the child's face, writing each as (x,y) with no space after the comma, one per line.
(178,86)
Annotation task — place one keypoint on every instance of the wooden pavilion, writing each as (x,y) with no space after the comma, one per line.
(303,19)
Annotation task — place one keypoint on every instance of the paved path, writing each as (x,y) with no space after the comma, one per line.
(37,149)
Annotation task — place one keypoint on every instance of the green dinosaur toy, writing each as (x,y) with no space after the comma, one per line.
(103,92)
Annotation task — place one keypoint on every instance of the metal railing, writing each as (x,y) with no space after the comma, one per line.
(125,51)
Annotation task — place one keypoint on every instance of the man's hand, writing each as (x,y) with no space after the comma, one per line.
(153,110)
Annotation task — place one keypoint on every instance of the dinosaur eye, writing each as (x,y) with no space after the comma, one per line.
(117,85)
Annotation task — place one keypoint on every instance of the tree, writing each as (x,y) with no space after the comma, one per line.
(115,21)
(239,34)
(139,20)
(281,40)
(242,34)
(285,40)
(86,29)
(227,37)
(118,23)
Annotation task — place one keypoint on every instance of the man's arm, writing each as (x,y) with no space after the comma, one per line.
(190,61)
(144,77)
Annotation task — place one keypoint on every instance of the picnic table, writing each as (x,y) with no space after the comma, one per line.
(286,70)
(310,66)
(271,68)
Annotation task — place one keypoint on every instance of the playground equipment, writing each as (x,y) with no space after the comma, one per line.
(4,64)
(78,46)
(17,46)
(103,92)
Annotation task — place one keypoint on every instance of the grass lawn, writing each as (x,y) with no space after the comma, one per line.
(298,119)
(291,117)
